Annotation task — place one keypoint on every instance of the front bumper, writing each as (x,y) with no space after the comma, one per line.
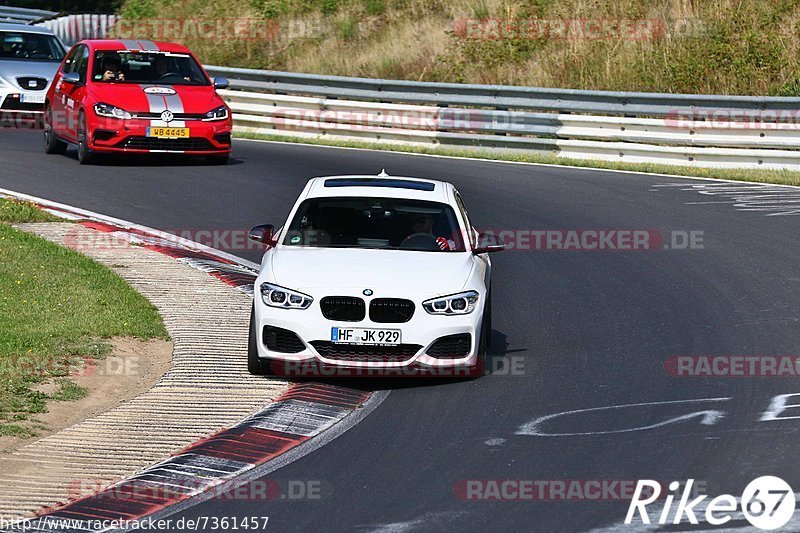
(422,331)
(130,136)
(17,100)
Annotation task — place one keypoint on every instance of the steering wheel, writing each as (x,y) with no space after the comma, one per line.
(420,241)
(170,75)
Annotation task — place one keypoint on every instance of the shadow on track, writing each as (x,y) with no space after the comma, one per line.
(151,160)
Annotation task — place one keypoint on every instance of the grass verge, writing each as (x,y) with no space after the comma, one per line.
(56,308)
(781,177)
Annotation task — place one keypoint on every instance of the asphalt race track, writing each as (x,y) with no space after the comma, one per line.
(585,329)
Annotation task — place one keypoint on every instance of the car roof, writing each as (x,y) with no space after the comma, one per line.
(381,185)
(135,44)
(25,28)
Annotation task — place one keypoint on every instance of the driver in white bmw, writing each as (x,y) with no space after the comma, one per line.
(423,223)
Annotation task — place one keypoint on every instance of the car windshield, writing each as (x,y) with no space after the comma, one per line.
(163,68)
(29,46)
(388,223)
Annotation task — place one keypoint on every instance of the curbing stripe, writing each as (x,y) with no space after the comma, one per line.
(292,419)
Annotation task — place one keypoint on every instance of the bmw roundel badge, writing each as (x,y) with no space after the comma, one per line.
(367,292)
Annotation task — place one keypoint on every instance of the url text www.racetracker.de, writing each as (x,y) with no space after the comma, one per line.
(201,523)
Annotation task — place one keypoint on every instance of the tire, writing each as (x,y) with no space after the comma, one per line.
(255,365)
(484,340)
(486,327)
(85,155)
(217,159)
(52,144)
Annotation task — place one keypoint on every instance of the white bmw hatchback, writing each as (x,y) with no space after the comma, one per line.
(372,273)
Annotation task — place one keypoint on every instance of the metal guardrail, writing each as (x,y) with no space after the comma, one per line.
(69,27)
(22,15)
(695,130)
(74,27)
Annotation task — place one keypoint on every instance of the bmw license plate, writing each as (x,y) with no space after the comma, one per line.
(365,336)
(168,133)
(31,98)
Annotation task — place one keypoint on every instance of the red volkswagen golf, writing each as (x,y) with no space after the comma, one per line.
(112,96)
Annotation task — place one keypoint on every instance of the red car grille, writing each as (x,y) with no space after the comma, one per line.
(193,144)
(176,116)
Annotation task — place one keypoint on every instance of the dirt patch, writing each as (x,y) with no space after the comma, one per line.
(132,367)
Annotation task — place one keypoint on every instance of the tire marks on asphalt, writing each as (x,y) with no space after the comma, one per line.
(771,200)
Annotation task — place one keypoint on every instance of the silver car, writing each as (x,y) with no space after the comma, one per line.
(29,58)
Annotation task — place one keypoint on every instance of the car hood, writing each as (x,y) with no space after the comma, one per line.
(131,97)
(10,70)
(386,272)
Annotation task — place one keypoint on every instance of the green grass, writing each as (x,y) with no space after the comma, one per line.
(56,306)
(68,391)
(783,177)
(12,210)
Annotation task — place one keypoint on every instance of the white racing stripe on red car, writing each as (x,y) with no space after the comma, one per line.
(159,103)
(132,44)
(148,45)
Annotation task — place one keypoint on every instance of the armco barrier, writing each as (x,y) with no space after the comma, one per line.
(22,15)
(693,130)
(69,27)
(73,27)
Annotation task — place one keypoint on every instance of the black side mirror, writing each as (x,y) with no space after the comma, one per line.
(263,233)
(488,243)
(221,83)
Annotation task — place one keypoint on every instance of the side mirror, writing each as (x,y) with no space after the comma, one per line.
(488,243)
(221,83)
(263,234)
(71,77)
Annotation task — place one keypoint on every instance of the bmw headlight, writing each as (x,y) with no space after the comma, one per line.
(220,113)
(110,111)
(462,303)
(277,296)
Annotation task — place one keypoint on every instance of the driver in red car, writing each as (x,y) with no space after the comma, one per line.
(161,68)
(160,65)
(112,68)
